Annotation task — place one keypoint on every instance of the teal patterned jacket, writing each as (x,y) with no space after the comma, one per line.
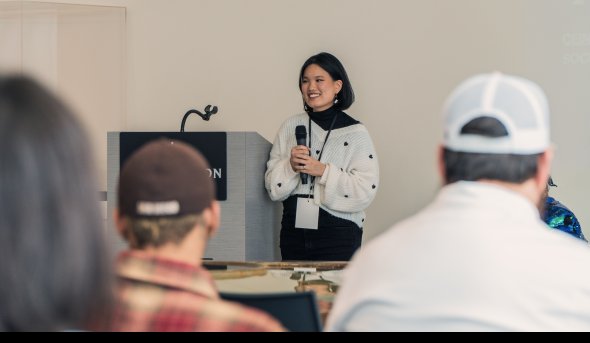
(559,217)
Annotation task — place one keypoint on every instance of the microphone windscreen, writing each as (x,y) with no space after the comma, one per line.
(300,131)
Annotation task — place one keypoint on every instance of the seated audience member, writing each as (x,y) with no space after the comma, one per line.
(167,213)
(55,269)
(479,257)
(559,217)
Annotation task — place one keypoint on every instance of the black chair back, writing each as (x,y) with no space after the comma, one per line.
(296,311)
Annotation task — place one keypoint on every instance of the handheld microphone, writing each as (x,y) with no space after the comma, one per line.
(301,137)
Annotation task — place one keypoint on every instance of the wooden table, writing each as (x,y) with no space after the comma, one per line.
(323,278)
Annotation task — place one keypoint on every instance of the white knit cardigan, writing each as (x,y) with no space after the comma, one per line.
(350,181)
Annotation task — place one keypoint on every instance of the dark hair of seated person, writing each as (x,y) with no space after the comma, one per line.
(54,262)
(464,166)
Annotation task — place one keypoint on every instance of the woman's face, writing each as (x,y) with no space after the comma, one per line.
(318,88)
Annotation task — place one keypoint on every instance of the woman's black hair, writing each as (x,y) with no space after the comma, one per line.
(332,66)
(54,262)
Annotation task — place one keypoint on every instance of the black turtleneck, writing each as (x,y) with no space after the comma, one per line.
(324,118)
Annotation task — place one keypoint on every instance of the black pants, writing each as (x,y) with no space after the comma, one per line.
(325,244)
(335,240)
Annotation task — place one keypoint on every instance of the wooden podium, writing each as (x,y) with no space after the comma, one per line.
(250,221)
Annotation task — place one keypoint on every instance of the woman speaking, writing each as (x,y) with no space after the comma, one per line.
(323,167)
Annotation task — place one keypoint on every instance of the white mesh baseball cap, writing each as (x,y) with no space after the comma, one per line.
(519,104)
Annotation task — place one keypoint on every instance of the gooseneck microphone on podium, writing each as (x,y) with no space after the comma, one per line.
(301,137)
(209,111)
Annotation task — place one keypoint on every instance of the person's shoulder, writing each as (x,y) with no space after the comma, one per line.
(389,243)
(348,123)
(291,122)
(347,120)
(357,130)
(554,208)
(298,118)
(554,203)
(566,243)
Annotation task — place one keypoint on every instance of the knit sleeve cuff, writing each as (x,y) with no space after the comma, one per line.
(288,170)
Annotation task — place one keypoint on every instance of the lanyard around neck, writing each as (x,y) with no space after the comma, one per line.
(325,141)
(327,136)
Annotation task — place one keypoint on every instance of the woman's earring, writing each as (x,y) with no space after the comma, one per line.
(305,108)
(336,100)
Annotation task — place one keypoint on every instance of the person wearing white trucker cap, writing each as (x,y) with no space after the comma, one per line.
(479,257)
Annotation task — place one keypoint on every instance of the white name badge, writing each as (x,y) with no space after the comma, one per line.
(308,214)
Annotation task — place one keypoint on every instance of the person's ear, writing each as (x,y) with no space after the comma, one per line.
(338,84)
(441,164)
(212,217)
(121,225)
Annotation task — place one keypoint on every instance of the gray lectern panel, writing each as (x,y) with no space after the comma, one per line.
(250,222)
(230,242)
(263,216)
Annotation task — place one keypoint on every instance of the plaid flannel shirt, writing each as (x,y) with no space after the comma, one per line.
(155,294)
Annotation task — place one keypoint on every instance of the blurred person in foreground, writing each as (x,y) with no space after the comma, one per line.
(54,263)
(479,257)
(167,212)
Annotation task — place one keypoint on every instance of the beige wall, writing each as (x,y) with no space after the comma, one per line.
(403,57)
(79,52)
